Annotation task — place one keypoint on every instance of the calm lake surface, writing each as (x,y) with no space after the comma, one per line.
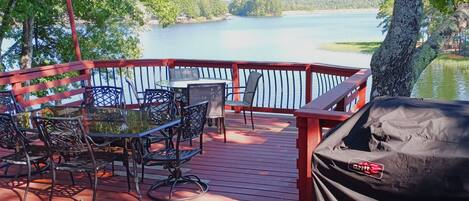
(295,39)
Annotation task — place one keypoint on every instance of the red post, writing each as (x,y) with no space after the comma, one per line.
(361,96)
(15,87)
(309,83)
(309,136)
(235,70)
(71,18)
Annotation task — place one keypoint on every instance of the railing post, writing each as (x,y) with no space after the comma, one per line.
(235,71)
(361,96)
(15,87)
(309,136)
(340,106)
(309,83)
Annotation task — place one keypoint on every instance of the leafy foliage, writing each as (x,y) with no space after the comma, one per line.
(201,8)
(256,7)
(328,4)
(107,29)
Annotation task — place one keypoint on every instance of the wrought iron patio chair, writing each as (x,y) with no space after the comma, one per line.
(192,126)
(8,103)
(215,95)
(248,95)
(103,96)
(184,74)
(161,107)
(12,138)
(66,137)
(138,94)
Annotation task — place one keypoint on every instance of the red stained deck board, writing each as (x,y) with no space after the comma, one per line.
(254,165)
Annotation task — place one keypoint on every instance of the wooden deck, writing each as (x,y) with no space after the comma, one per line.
(253,165)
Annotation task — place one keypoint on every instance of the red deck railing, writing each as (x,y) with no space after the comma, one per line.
(326,111)
(322,95)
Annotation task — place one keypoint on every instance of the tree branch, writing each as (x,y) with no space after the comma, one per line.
(429,50)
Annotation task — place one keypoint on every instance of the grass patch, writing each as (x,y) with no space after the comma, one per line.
(361,47)
(371,47)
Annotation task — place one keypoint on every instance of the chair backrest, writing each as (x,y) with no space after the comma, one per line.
(103,96)
(10,136)
(8,103)
(251,87)
(176,74)
(65,136)
(213,93)
(193,118)
(133,88)
(160,104)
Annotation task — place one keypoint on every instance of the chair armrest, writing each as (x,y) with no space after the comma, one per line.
(244,92)
(235,87)
(106,143)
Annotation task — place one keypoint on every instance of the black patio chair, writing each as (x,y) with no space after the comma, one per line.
(248,95)
(8,103)
(184,74)
(103,96)
(66,137)
(215,95)
(192,126)
(161,107)
(138,94)
(12,138)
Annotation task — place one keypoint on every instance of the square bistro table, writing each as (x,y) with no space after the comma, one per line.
(112,123)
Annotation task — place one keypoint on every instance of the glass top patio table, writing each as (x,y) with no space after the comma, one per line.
(182,84)
(103,122)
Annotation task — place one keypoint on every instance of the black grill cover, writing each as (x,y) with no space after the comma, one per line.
(396,149)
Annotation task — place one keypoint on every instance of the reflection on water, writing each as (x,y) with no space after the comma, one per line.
(446,82)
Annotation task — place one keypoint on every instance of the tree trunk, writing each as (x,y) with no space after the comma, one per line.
(398,63)
(27,46)
(26,58)
(391,64)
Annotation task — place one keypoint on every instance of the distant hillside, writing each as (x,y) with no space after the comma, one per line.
(328,4)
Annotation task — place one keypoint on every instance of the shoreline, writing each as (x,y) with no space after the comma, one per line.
(327,11)
(229,16)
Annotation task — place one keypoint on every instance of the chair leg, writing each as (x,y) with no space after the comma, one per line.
(127,170)
(89,178)
(95,185)
(224,128)
(53,183)
(252,120)
(25,197)
(71,178)
(244,114)
(143,172)
(112,166)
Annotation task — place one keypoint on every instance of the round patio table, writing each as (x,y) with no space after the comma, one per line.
(182,84)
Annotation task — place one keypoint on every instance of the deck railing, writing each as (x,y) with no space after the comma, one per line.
(322,95)
(326,111)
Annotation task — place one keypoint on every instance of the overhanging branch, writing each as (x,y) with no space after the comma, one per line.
(429,50)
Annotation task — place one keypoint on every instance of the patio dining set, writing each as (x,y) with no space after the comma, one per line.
(93,135)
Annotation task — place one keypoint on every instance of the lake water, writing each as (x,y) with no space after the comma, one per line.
(295,39)
(288,38)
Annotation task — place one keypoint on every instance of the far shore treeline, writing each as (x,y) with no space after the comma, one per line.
(200,10)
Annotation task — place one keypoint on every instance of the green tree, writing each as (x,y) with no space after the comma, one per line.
(256,7)
(398,63)
(107,29)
